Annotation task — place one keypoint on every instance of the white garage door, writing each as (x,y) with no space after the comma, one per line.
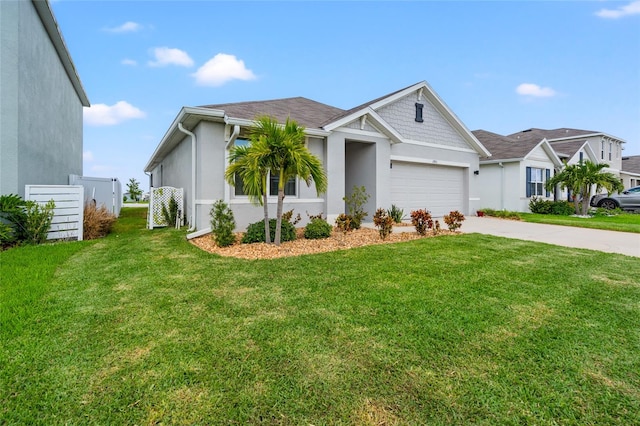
(438,189)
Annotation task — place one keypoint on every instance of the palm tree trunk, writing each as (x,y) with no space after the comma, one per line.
(267,231)
(279,209)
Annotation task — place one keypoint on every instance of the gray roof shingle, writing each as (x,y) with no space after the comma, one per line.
(539,134)
(305,112)
(504,147)
(631,164)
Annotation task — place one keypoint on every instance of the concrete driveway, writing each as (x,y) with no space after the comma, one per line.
(593,239)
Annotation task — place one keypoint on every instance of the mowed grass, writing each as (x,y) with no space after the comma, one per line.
(624,222)
(143,328)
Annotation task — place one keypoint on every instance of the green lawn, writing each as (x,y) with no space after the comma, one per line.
(626,222)
(143,328)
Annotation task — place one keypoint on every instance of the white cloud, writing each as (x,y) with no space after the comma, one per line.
(87,156)
(127,27)
(530,89)
(632,8)
(129,62)
(221,69)
(167,56)
(109,115)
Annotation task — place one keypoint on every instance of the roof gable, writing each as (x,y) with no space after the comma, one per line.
(417,93)
(631,164)
(505,148)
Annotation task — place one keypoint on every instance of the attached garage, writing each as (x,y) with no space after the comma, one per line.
(438,189)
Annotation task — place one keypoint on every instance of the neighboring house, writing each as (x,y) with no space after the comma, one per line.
(630,174)
(515,172)
(41,100)
(407,148)
(606,148)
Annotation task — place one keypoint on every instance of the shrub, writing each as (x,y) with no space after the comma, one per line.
(422,221)
(541,206)
(504,214)
(255,232)
(317,229)
(436,228)
(355,201)
(39,218)
(170,213)
(454,220)
(396,213)
(223,224)
(384,222)
(344,222)
(13,218)
(97,222)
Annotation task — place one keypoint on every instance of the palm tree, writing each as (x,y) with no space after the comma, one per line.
(293,159)
(251,164)
(581,178)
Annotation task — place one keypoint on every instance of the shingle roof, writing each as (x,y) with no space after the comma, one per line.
(631,164)
(567,148)
(539,134)
(305,112)
(504,147)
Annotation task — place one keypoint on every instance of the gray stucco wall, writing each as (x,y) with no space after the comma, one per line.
(41,127)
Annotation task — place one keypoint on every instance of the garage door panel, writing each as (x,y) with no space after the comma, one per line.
(439,189)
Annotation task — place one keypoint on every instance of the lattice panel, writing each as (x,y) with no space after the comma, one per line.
(159,197)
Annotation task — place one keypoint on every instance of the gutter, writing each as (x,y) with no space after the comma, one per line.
(193,176)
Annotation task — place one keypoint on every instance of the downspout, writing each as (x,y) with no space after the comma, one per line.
(233,137)
(193,176)
(501,185)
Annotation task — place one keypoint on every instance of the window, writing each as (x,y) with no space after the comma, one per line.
(581,156)
(602,150)
(535,182)
(419,108)
(610,150)
(289,188)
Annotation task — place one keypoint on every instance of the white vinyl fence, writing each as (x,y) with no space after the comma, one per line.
(69,210)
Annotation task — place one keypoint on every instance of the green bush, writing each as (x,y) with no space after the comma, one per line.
(39,218)
(317,229)
(541,206)
(504,214)
(255,232)
(223,224)
(170,213)
(396,213)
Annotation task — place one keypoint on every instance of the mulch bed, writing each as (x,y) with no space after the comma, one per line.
(337,241)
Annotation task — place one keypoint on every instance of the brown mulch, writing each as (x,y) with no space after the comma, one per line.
(337,241)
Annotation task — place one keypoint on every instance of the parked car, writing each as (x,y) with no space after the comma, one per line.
(628,199)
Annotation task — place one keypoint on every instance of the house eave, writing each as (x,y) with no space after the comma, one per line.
(51,26)
(189,117)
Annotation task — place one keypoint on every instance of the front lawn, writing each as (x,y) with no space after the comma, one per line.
(625,222)
(143,328)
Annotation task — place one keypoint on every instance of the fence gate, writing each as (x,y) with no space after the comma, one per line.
(158,199)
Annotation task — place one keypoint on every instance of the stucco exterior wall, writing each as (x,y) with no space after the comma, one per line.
(41,113)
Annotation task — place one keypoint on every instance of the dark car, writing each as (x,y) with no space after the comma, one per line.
(629,199)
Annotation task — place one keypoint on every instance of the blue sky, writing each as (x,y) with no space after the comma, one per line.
(500,66)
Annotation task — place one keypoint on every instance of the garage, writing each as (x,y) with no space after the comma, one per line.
(438,189)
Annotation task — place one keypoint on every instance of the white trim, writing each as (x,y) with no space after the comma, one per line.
(271,200)
(548,149)
(474,198)
(430,161)
(506,160)
(435,145)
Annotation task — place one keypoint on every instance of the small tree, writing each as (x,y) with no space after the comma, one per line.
(134,189)
(355,202)
(222,224)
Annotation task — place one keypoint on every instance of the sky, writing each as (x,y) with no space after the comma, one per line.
(501,66)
